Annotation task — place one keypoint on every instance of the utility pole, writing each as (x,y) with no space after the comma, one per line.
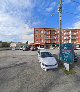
(60,19)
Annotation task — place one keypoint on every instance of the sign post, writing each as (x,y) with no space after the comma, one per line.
(67,54)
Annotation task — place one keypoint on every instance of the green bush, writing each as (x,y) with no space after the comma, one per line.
(5,44)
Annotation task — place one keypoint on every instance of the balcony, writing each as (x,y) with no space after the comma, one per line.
(66,38)
(66,34)
(56,33)
(73,34)
(52,34)
(53,41)
(73,38)
(47,38)
(50,38)
(73,41)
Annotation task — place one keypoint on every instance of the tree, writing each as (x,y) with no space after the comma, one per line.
(5,44)
(27,42)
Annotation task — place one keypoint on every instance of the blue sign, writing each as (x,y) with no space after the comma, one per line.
(67,53)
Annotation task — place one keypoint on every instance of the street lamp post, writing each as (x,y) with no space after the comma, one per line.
(60,19)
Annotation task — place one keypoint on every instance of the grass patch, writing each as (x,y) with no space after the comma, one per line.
(68,72)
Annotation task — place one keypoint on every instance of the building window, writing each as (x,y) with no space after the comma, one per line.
(36,40)
(46,32)
(58,40)
(58,31)
(41,40)
(47,41)
(36,31)
(47,37)
(36,35)
(41,36)
(66,41)
(53,41)
(53,37)
(42,31)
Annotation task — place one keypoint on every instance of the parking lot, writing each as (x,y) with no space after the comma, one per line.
(20,72)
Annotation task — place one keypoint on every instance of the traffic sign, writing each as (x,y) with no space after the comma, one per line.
(67,53)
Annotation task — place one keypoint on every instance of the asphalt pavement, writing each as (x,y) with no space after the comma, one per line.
(20,72)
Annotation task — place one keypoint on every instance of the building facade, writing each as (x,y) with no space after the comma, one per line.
(71,36)
(51,37)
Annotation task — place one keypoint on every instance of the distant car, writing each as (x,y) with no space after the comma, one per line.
(41,47)
(21,48)
(26,48)
(76,57)
(76,48)
(17,48)
(47,61)
(52,48)
(33,48)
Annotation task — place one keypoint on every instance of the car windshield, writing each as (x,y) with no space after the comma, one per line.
(26,46)
(46,54)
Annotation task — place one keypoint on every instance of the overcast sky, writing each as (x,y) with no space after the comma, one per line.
(19,17)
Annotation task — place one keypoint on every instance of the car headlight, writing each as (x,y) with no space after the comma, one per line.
(56,63)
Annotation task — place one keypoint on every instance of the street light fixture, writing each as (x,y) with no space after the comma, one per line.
(52,14)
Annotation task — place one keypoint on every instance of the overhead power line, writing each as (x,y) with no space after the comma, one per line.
(67,12)
(71,13)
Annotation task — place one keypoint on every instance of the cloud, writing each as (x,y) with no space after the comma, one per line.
(13,14)
(17,17)
(78,8)
(76,25)
(17,4)
(67,1)
(26,38)
(51,7)
(13,29)
(22,9)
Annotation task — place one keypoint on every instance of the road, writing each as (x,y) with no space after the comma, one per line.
(20,72)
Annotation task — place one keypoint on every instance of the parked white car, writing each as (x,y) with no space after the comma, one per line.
(47,61)
(40,48)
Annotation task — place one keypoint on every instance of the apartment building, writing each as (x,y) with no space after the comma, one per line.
(51,37)
(44,37)
(71,36)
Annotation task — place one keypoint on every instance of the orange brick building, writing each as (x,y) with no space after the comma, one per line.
(50,36)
